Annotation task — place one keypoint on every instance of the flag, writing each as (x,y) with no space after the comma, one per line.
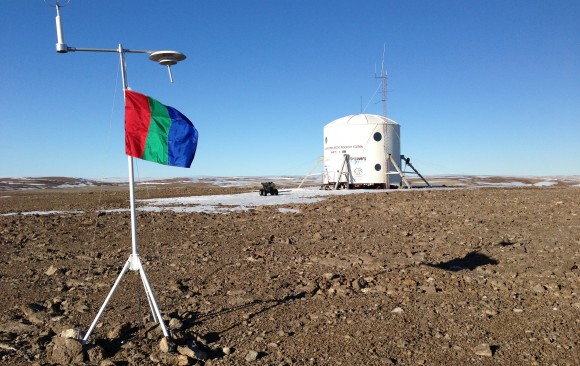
(158,133)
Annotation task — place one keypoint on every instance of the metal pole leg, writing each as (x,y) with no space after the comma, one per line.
(123,271)
(148,298)
(152,301)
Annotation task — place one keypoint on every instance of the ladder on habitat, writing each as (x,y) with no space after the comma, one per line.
(347,174)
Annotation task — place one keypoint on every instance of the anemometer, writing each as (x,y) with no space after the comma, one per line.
(165,58)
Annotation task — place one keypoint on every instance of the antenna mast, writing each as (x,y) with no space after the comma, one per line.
(383,78)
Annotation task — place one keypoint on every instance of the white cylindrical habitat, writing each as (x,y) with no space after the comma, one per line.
(368,140)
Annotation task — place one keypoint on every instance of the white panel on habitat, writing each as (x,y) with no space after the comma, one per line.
(368,139)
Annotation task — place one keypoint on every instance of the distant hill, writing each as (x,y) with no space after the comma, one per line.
(10,184)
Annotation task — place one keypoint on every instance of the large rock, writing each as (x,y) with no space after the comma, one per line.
(483,350)
(66,351)
(96,353)
(69,333)
(119,331)
(192,351)
(166,345)
(164,358)
(252,356)
(183,360)
(175,324)
(51,270)
(17,327)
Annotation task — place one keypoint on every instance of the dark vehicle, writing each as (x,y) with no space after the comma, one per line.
(268,187)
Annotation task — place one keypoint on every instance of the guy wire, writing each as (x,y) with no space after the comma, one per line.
(370,100)
(107,149)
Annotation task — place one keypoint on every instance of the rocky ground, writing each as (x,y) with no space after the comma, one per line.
(445,276)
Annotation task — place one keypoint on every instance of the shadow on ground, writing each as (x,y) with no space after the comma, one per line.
(471,261)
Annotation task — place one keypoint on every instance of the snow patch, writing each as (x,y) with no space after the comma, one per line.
(502,184)
(241,201)
(288,210)
(42,213)
(74,185)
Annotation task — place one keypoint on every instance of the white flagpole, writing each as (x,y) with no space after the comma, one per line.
(166,58)
(133,263)
(130,162)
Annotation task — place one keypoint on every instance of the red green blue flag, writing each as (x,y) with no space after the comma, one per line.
(158,133)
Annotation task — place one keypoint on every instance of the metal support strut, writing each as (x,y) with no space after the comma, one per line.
(320,160)
(408,162)
(390,158)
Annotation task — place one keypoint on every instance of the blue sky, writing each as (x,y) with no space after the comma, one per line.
(478,87)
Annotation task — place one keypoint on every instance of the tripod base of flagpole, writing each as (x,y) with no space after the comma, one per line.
(133,264)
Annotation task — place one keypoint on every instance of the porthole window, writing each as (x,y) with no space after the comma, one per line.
(378,167)
(377,136)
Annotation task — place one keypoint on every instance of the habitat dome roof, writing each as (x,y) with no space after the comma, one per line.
(361,119)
